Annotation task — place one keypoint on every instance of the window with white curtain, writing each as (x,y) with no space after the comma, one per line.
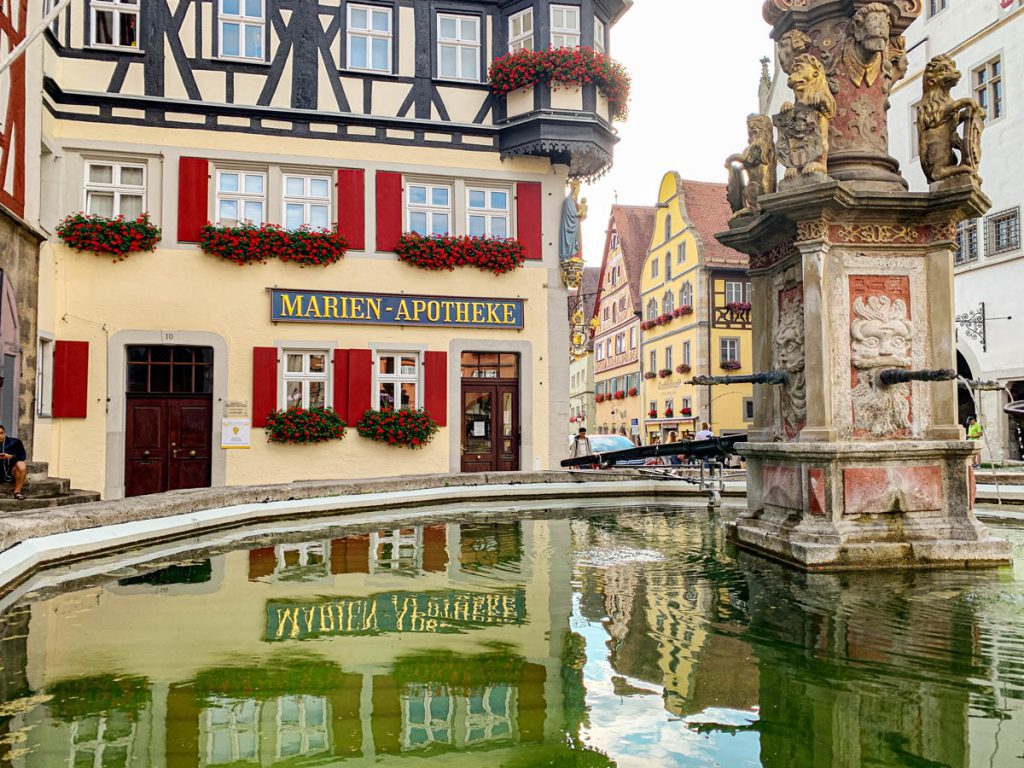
(115,189)
(307,201)
(458,47)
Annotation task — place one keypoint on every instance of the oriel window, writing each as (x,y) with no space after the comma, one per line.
(520,31)
(115,23)
(565,26)
(115,189)
(241,28)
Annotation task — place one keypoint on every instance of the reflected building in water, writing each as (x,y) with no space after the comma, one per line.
(314,650)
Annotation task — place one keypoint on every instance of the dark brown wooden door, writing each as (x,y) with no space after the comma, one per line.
(168,444)
(490,427)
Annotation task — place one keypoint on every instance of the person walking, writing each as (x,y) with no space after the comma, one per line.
(975,432)
(580,445)
(13,460)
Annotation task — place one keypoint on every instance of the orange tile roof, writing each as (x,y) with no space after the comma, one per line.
(708,210)
(635,225)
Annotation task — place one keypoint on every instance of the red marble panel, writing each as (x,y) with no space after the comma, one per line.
(816,489)
(881,490)
(780,487)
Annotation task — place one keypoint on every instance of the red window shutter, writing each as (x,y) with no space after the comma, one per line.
(435,386)
(70,379)
(389,210)
(264,384)
(528,219)
(352,207)
(193,189)
(262,562)
(360,383)
(340,403)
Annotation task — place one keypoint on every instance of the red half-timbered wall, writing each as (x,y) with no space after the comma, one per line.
(13,21)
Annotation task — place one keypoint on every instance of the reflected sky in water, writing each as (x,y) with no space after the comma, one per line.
(611,637)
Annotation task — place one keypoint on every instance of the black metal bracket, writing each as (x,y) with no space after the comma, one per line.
(975,324)
(774,378)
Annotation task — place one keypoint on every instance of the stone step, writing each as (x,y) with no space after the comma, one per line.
(9,505)
(46,487)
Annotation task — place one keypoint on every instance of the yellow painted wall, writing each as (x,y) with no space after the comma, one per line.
(727,408)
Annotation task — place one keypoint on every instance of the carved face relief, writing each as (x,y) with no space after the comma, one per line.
(792,44)
(872,29)
(882,333)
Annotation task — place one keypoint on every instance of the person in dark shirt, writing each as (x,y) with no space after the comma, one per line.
(13,462)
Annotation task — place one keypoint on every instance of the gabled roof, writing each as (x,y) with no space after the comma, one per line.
(635,227)
(707,208)
(589,287)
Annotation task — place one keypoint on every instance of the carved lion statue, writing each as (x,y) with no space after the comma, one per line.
(803,127)
(810,85)
(752,173)
(939,117)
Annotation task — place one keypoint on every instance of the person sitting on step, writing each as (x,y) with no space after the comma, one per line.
(13,460)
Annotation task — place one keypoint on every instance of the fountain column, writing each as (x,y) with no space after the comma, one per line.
(857,461)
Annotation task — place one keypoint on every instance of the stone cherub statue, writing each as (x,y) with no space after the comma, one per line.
(752,173)
(939,117)
(803,127)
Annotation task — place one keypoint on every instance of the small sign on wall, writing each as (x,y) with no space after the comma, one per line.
(236,433)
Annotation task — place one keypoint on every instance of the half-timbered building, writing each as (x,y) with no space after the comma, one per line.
(372,117)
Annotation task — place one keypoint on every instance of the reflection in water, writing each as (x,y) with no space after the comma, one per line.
(625,639)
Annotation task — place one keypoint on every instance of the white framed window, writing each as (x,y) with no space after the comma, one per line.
(307,201)
(729,350)
(298,562)
(232,730)
(654,267)
(487,212)
(396,550)
(301,726)
(369,38)
(686,404)
(599,351)
(241,25)
(489,715)
(115,189)
(48,6)
(988,88)
(565,26)
(44,377)
(398,381)
(936,7)
(653,367)
(733,293)
(681,253)
(966,241)
(670,405)
(667,303)
(632,337)
(607,313)
(114,23)
(686,353)
(520,31)
(668,357)
(1002,232)
(102,741)
(686,295)
(429,208)
(652,309)
(620,344)
(428,715)
(241,197)
(458,47)
(306,378)
(668,266)
(600,30)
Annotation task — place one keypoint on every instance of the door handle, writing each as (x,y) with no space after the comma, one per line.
(191,454)
(145,454)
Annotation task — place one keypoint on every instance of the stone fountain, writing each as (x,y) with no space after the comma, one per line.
(856,459)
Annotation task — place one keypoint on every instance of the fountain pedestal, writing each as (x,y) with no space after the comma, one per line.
(852,276)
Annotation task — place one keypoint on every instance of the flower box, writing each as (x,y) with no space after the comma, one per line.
(664,373)
(301,425)
(563,68)
(686,411)
(620,395)
(645,325)
(598,398)
(440,252)
(249,244)
(650,375)
(686,309)
(669,413)
(408,428)
(118,237)
(633,392)
(731,365)
(652,414)
(683,368)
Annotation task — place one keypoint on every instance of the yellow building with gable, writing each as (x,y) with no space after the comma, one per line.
(695,297)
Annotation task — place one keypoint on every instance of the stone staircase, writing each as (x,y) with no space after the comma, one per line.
(42,491)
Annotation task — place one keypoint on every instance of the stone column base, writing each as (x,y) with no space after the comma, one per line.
(849,506)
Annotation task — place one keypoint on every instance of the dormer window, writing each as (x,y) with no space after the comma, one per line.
(520,31)
(565,26)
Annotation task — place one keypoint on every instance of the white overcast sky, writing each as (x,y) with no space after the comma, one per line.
(695,69)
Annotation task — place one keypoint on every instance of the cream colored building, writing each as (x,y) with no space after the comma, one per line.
(374,118)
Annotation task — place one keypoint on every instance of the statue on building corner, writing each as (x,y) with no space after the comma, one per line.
(570,252)
(804,127)
(944,151)
(752,173)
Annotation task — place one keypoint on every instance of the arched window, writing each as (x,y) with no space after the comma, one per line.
(686,295)
(652,309)
(668,227)
(667,304)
